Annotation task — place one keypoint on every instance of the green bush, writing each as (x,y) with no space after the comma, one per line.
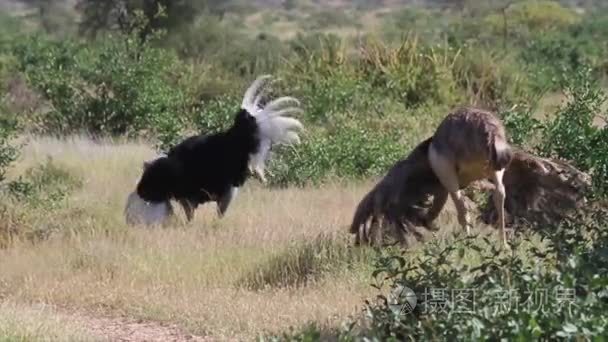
(424,22)
(412,72)
(573,134)
(528,17)
(10,27)
(251,57)
(8,122)
(319,75)
(206,36)
(30,205)
(330,78)
(550,56)
(216,114)
(326,97)
(115,87)
(521,125)
(490,78)
(8,152)
(569,274)
(467,288)
(343,153)
(44,186)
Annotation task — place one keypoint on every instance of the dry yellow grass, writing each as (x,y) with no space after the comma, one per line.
(37,323)
(195,275)
(278,259)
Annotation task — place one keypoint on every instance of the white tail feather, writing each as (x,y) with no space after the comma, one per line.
(275,126)
(290,138)
(251,97)
(276,104)
(256,102)
(282,112)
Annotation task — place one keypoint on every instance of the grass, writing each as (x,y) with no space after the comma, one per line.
(279,259)
(197,274)
(26,323)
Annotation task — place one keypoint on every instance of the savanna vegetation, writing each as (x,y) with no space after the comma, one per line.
(90,89)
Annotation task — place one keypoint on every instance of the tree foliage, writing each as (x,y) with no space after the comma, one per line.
(160,14)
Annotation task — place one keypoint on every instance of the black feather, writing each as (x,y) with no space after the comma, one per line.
(203,168)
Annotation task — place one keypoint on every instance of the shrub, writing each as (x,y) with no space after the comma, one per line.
(550,56)
(8,152)
(216,114)
(558,292)
(44,186)
(206,36)
(30,205)
(466,288)
(426,23)
(412,72)
(533,16)
(326,97)
(9,27)
(8,122)
(572,133)
(522,127)
(330,79)
(344,153)
(116,87)
(251,57)
(319,74)
(490,78)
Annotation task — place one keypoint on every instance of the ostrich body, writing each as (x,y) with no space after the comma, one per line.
(469,145)
(400,199)
(212,167)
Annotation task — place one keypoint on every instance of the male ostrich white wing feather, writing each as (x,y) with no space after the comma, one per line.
(163,177)
(275,126)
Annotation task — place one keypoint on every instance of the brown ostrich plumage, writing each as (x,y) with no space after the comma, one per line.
(470,146)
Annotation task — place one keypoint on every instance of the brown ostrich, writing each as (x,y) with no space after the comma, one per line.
(401,199)
(469,151)
(470,145)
